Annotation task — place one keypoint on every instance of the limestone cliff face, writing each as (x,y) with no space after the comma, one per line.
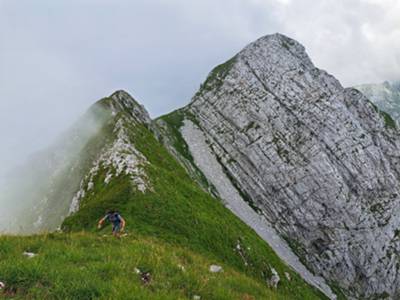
(317,160)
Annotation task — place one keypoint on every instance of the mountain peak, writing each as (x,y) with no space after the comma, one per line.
(277,49)
(121,101)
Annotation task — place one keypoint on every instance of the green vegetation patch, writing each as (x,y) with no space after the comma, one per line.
(389,122)
(216,77)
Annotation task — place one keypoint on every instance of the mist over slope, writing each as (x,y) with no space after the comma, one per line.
(36,196)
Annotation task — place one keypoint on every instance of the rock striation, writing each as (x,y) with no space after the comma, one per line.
(318,161)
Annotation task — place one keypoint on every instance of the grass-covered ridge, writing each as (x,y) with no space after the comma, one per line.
(175,223)
(216,77)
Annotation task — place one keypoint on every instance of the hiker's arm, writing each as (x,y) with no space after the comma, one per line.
(101,222)
(122,223)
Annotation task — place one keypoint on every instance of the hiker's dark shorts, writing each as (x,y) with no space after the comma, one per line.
(116,227)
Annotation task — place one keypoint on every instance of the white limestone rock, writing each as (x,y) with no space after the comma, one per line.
(274,280)
(215,269)
(29,254)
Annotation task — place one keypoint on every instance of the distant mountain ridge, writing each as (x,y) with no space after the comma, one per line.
(385,95)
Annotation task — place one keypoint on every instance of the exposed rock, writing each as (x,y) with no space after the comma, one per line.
(288,277)
(121,101)
(29,254)
(274,280)
(2,285)
(215,269)
(317,160)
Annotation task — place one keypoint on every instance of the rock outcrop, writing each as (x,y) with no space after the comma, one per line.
(318,161)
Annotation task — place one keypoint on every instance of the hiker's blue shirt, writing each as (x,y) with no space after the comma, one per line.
(114,218)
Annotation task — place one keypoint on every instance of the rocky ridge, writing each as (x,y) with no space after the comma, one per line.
(119,157)
(53,182)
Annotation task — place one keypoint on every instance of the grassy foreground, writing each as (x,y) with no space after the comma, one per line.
(93,266)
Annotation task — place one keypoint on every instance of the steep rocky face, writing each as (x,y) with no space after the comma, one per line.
(386,96)
(317,161)
(50,186)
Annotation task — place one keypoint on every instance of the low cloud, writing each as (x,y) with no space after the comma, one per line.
(58,57)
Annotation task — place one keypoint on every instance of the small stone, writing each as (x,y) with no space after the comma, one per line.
(137,271)
(108,179)
(90,186)
(196,297)
(288,276)
(29,254)
(182,268)
(274,280)
(215,269)
(2,285)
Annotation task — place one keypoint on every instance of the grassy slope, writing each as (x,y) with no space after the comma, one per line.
(87,266)
(178,219)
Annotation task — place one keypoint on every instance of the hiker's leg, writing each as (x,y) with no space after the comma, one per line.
(116,230)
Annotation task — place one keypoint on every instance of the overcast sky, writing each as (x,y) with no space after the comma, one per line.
(59,57)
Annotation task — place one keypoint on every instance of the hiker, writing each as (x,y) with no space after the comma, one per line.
(118,223)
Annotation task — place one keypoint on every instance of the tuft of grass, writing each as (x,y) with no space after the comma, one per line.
(389,122)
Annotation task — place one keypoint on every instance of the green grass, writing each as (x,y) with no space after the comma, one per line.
(176,222)
(389,122)
(92,266)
